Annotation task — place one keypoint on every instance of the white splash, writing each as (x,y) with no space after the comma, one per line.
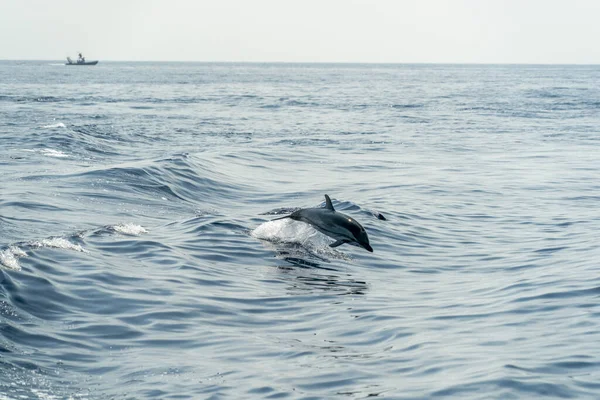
(10,257)
(128,229)
(54,126)
(57,243)
(53,153)
(17,251)
(287,230)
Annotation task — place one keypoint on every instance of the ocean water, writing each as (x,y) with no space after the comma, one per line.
(138,260)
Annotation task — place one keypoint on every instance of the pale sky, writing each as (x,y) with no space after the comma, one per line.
(389,31)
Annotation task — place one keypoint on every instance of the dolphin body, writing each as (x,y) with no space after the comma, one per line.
(336,225)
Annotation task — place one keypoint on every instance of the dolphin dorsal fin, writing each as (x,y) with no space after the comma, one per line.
(328,204)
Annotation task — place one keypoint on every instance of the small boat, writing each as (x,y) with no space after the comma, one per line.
(80,61)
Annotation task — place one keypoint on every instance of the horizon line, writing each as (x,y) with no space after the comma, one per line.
(317,62)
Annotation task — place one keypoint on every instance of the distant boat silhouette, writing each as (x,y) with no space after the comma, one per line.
(80,61)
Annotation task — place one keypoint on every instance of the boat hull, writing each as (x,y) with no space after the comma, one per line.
(84,63)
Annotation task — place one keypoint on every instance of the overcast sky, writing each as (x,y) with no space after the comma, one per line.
(394,31)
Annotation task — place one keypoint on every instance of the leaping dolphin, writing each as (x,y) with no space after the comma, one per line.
(341,227)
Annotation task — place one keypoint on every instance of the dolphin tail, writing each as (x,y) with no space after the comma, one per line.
(338,243)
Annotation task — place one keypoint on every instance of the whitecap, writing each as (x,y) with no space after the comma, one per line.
(58,243)
(53,153)
(54,126)
(128,229)
(9,257)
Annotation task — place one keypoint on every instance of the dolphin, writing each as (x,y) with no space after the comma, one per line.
(336,225)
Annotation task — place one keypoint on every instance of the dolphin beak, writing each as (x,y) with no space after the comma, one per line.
(368,247)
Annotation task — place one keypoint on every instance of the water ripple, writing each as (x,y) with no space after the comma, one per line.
(138,259)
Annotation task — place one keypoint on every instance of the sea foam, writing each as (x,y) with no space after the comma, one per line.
(128,229)
(53,153)
(57,243)
(55,126)
(9,257)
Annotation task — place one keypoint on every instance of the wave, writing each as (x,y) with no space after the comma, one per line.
(81,142)
(54,126)
(57,243)
(9,256)
(146,244)
(53,153)
(47,152)
(128,229)
(181,180)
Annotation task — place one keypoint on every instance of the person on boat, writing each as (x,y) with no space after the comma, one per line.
(81,59)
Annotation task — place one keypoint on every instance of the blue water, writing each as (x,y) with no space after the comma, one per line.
(138,260)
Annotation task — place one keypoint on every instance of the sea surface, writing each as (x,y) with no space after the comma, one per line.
(138,260)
